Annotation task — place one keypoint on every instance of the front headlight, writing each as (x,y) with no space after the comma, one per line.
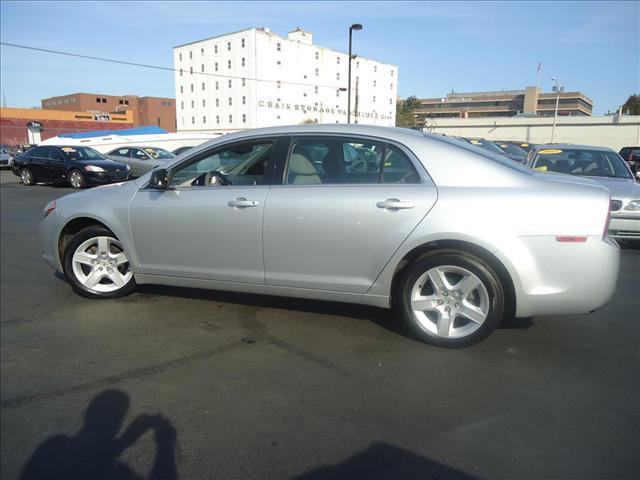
(633,205)
(94,168)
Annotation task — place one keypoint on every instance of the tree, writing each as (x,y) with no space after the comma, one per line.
(405,116)
(632,105)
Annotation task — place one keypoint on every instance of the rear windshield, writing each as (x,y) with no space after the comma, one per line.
(478,142)
(512,149)
(588,163)
(82,153)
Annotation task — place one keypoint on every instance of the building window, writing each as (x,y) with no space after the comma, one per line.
(338,76)
(202,85)
(217,85)
(304,94)
(190,70)
(204,102)
(316,89)
(215,49)
(202,68)
(278,47)
(375,68)
(242,43)
(121,102)
(192,104)
(278,84)
(104,100)
(374,99)
(193,120)
(217,118)
(229,64)
(392,73)
(243,61)
(391,101)
(317,56)
(338,60)
(230,101)
(217,102)
(180,72)
(244,118)
(190,55)
(181,105)
(202,51)
(374,83)
(357,64)
(278,62)
(181,89)
(204,119)
(317,72)
(229,46)
(192,87)
(244,81)
(391,86)
(244,100)
(230,83)
(230,118)
(215,66)
(278,117)
(337,93)
(180,57)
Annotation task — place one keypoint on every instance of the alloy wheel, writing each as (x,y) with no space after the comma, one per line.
(101,265)
(25,177)
(76,180)
(449,301)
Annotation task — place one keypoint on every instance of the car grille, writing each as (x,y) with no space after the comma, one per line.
(616,205)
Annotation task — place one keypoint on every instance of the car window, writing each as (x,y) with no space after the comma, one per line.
(121,152)
(139,154)
(40,152)
(248,163)
(343,160)
(56,154)
(592,163)
(158,153)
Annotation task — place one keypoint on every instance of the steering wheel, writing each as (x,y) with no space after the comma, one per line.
(215,176)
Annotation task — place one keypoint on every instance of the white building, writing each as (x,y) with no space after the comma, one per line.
(255,78)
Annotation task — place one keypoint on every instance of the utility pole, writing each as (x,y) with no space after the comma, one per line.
(357,27)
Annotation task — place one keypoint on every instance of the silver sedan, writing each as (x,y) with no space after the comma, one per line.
(141,159)
(453,237)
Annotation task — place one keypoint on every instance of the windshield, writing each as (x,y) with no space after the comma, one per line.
(159,153)
(82,153)
(590,163)
(512,149)
(478,142)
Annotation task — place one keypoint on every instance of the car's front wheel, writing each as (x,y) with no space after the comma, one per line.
(97,266)
(77,180)
(451,299)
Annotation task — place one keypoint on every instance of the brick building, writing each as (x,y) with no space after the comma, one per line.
(147,111)
(21,126)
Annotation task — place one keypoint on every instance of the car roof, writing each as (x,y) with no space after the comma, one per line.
(570,146)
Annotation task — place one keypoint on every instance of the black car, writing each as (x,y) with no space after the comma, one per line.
(78,166)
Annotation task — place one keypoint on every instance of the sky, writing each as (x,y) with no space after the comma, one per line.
(592,47)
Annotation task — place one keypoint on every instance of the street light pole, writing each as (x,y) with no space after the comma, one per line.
(555,114)
(355,26)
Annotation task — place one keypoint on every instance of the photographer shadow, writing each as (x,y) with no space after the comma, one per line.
(93,453)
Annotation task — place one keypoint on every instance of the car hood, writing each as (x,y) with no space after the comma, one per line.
(620,187)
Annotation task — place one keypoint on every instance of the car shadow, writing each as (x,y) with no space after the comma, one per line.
(94,452)
(384,461)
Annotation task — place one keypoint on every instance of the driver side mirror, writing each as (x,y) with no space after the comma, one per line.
(159,178)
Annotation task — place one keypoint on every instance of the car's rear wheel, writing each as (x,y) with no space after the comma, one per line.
(77,180)
(451,299)
(97,266)
(26,177)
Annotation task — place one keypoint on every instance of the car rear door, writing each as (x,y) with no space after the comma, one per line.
(333,229)
(200,227)
(56,165)
(37,159)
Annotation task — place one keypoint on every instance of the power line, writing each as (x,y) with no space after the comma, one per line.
(158,67)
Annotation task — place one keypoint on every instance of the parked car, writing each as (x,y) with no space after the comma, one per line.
(78,166)
(631,155)
(181,150)
(141,159)
(513,150)
(487,145)
(454,237)
(607,168)
(526,146)
(6,159)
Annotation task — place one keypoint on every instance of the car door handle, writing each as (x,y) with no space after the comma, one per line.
(242,202)
(394,204)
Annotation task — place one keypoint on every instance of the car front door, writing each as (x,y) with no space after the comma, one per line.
(334,227)
(56,165)
(139,162)
(207,223)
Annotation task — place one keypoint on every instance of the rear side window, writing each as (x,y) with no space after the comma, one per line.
(41,152)
(343,160)
(122,152)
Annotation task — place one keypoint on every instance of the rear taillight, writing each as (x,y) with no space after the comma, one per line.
(607,221)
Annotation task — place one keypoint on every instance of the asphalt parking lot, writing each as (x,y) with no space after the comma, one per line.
(177,383)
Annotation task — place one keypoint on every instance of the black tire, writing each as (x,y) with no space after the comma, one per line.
(471,263)
(76,241)
(82,181)
(27,178)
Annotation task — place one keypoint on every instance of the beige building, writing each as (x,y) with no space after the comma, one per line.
(156,111)
(531,101)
